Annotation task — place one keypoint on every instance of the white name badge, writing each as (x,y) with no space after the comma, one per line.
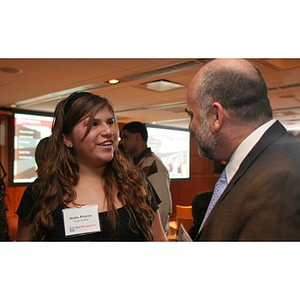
(81,220)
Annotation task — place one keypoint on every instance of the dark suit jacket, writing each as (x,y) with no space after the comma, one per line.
(262,201)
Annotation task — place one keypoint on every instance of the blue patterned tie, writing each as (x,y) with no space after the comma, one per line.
(218,191)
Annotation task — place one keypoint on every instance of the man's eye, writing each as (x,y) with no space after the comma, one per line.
(189,114)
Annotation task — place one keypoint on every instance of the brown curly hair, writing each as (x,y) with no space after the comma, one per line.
(59,173)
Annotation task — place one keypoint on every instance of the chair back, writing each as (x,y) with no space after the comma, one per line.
(184,216)
(184,211)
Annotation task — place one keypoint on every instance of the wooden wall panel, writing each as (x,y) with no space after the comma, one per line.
(202,179)
(13,199)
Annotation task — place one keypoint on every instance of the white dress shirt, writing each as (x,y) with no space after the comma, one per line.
(244,148)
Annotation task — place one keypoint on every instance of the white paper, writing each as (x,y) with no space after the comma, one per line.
(183,236)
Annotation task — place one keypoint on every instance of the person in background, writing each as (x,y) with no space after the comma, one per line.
(86,189)
(40,155)
(41,152)
(199,206)
(231,117)
(134,141)
(4,227)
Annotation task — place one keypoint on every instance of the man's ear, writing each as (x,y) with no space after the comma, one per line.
(217,116)
(138,136)
(67,141)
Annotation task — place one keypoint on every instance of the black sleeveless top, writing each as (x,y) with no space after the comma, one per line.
(126,229)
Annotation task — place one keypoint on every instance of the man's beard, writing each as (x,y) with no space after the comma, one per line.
(206,139)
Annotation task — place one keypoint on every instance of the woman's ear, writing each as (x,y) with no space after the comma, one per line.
(67,141)
(217,116)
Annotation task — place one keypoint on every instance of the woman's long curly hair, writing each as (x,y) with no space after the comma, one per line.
(59,173)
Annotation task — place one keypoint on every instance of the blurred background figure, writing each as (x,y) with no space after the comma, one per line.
(26,201)
(199,206)
(4,229)
(134,141)
(41,152)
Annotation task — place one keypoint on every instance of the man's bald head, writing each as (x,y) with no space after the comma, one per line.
(237,85)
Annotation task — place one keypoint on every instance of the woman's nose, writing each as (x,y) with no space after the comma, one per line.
(107,131)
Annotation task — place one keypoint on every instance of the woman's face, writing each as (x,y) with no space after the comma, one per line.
(97,148)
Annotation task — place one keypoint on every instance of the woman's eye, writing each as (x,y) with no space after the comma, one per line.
(111,122)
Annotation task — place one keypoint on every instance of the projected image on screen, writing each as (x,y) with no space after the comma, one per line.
(172,146)
(29,130)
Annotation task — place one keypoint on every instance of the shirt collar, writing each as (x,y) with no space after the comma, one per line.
(244,148)
(136,160)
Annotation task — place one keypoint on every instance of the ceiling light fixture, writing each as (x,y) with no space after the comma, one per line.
(11,70)
(113,81)
(162,85)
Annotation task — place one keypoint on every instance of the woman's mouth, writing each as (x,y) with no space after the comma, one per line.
(108,143)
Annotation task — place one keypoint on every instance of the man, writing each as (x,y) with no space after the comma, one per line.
(232,120)
(134,141)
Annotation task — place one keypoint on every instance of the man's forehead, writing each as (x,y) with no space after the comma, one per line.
(194,85)
(192,93)
(125,132)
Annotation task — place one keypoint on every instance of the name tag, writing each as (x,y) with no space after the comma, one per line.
(81,220)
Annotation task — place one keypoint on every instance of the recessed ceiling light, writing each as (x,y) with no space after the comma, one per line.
(113,81)
(11,70)
(162,85)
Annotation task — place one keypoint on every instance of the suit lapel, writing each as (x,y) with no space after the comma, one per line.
(272,134)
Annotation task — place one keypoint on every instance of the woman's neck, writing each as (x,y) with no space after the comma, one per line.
(90,173)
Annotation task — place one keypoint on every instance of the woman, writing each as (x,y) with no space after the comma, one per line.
(83,172)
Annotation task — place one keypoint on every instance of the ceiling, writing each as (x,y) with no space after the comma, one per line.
(38,84)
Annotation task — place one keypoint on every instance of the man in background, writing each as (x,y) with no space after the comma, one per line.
(134,141)
(231,116)
(199,206)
